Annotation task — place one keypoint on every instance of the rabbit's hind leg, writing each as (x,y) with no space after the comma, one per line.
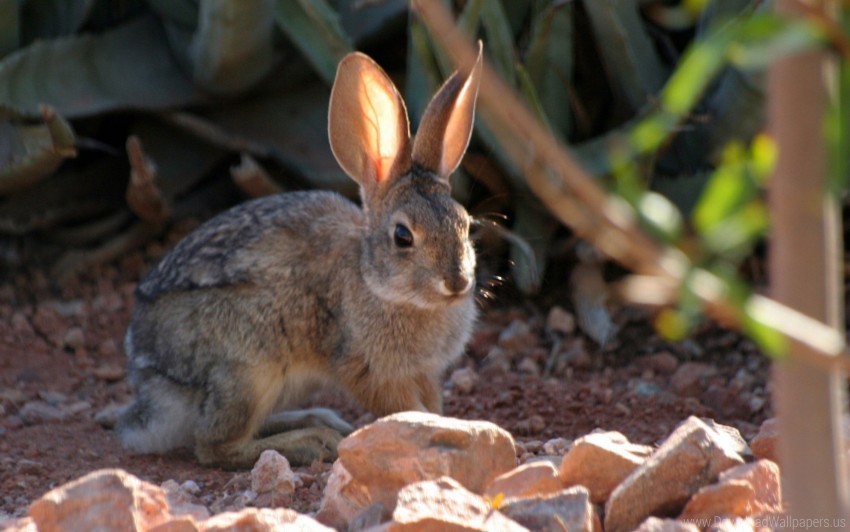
(280,422)
(238,399)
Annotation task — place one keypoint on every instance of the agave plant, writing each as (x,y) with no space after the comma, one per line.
(158,101)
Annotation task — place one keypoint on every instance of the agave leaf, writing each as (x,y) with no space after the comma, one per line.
(30,152)
(631,63)
(500,41)
(315,29)
(232,47)
(181,159)
(534,225)
(422,74)
(10,33)
(293,127)
(370,22)
(129,67)
(48,19)
(549,63)
(180,12)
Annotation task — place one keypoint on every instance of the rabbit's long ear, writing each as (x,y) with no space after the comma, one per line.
(446,125)
(367,123)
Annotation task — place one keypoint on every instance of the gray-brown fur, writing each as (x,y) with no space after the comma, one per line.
(267,300)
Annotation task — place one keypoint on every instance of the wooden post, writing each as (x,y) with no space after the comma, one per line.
(805,270)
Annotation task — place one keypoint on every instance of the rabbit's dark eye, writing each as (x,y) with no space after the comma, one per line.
(402,236)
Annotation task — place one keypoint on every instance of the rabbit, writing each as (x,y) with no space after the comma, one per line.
(280,294)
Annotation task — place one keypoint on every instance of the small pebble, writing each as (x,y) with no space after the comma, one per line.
(528,365)
(517,337)
(560,321)
(109,372)
(463,380)
(53,398)
(557,446)
(35,412)
(74,339)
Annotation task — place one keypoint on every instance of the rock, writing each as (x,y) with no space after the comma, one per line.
(74,339)
(30,467)
(517,338)
(445,505)
(463,380)
(368,518)
(261,520)
(654,524)
(52,398)
(11,396)
(744,491)
(379,459)
(664,362)
(109,372)
(737,525)
(21,524)
(181,502)
(556,446)
(497,361)
(691,378)
(559,321)
(77,407)
(533,424)
(344,498)
(272,473)
(108,499)
(528,366)
(765,444)
(733,435)
(693,456)
(600,461)
(536,478)
(568,509)
(34,412)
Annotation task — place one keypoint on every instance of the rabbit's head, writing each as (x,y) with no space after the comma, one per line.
(417,248)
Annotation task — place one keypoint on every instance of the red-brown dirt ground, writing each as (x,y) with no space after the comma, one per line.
(62,362)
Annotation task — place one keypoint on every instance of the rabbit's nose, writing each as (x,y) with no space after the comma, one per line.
(456,285)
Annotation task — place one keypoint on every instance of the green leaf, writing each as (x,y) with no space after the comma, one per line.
(660,217)
(764,38)
(129,67)
(30,152)
(770,340)
(232,47)
(629,57)
(734,236)
(726,192)
(10,33)
(500,41)
(314,28)
(549,62)
(423,72)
